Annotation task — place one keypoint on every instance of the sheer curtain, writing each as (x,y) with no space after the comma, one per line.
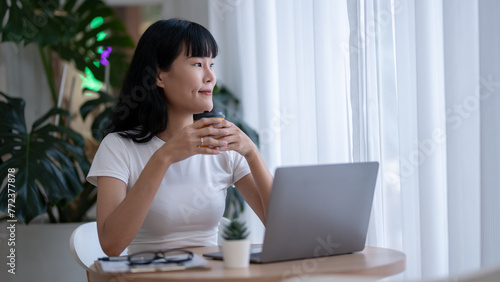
(412,84)
(427,77)
(278,57)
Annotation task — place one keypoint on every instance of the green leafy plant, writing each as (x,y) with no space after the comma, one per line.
(64,27)
(236,230)
(102,106)
(49,161)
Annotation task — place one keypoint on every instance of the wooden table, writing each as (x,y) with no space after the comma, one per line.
(373,262)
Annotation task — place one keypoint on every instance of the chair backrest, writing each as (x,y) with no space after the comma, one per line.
(85,246)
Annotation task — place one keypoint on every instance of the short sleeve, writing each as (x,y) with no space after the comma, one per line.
(111,160)
(240,167)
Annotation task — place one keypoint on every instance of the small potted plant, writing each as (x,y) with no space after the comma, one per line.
(236,246)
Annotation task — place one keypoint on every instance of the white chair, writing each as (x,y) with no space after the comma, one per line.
(85,246)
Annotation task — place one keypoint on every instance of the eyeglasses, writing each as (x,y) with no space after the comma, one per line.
(170,256)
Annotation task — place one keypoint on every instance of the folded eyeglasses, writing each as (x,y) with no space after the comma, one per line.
(168,256)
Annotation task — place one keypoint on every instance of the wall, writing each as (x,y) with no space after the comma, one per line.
(22,75)
(42,253)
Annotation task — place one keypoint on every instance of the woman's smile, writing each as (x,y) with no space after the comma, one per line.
(206,92)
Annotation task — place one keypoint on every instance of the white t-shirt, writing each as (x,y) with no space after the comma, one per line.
(190,200)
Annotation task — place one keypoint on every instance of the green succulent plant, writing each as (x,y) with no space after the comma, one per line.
(236,230)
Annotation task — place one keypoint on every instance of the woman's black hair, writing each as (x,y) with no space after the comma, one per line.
(141,110)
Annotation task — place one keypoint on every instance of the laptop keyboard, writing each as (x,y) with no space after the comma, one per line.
(256,250)
(255,254)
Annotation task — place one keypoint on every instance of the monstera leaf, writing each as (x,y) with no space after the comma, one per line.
(64,26)
(48,161)
(85,43)
(41,22)
(101,120)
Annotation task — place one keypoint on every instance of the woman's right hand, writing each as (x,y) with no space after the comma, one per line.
(188,141)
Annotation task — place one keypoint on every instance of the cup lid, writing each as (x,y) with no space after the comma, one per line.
(208,114)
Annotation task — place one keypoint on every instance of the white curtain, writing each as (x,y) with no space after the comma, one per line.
(412,84)
(278,57)
(428,71)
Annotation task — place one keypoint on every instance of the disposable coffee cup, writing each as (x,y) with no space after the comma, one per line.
(208,114)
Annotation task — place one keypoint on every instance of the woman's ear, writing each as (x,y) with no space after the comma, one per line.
(161,78)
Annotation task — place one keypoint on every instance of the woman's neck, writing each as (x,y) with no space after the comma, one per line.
(176,122)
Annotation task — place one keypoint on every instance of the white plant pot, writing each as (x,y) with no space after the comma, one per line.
(236,253)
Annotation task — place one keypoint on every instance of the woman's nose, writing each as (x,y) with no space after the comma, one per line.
(209,75)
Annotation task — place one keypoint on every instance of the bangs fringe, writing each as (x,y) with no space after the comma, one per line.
(200,43)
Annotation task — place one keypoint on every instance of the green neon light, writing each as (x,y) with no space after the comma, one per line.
(90,82)
(101,35)
(96,22)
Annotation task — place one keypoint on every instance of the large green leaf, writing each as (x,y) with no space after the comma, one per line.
(49,160)
(102,99)
(83,47)
(101,120)
(64,26)
(13,29)
(3,10)
(35,21)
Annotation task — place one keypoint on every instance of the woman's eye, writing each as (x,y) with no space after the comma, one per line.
(197,64)
(212,65)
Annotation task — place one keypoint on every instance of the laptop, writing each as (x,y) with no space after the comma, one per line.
(316,211)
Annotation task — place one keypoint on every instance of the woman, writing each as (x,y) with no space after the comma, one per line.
(158,188)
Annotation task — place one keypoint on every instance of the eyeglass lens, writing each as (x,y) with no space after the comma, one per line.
(152,257)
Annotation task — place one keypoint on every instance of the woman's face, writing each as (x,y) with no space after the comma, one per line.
(188,84)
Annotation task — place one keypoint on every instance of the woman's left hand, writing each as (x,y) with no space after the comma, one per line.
(236,139)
